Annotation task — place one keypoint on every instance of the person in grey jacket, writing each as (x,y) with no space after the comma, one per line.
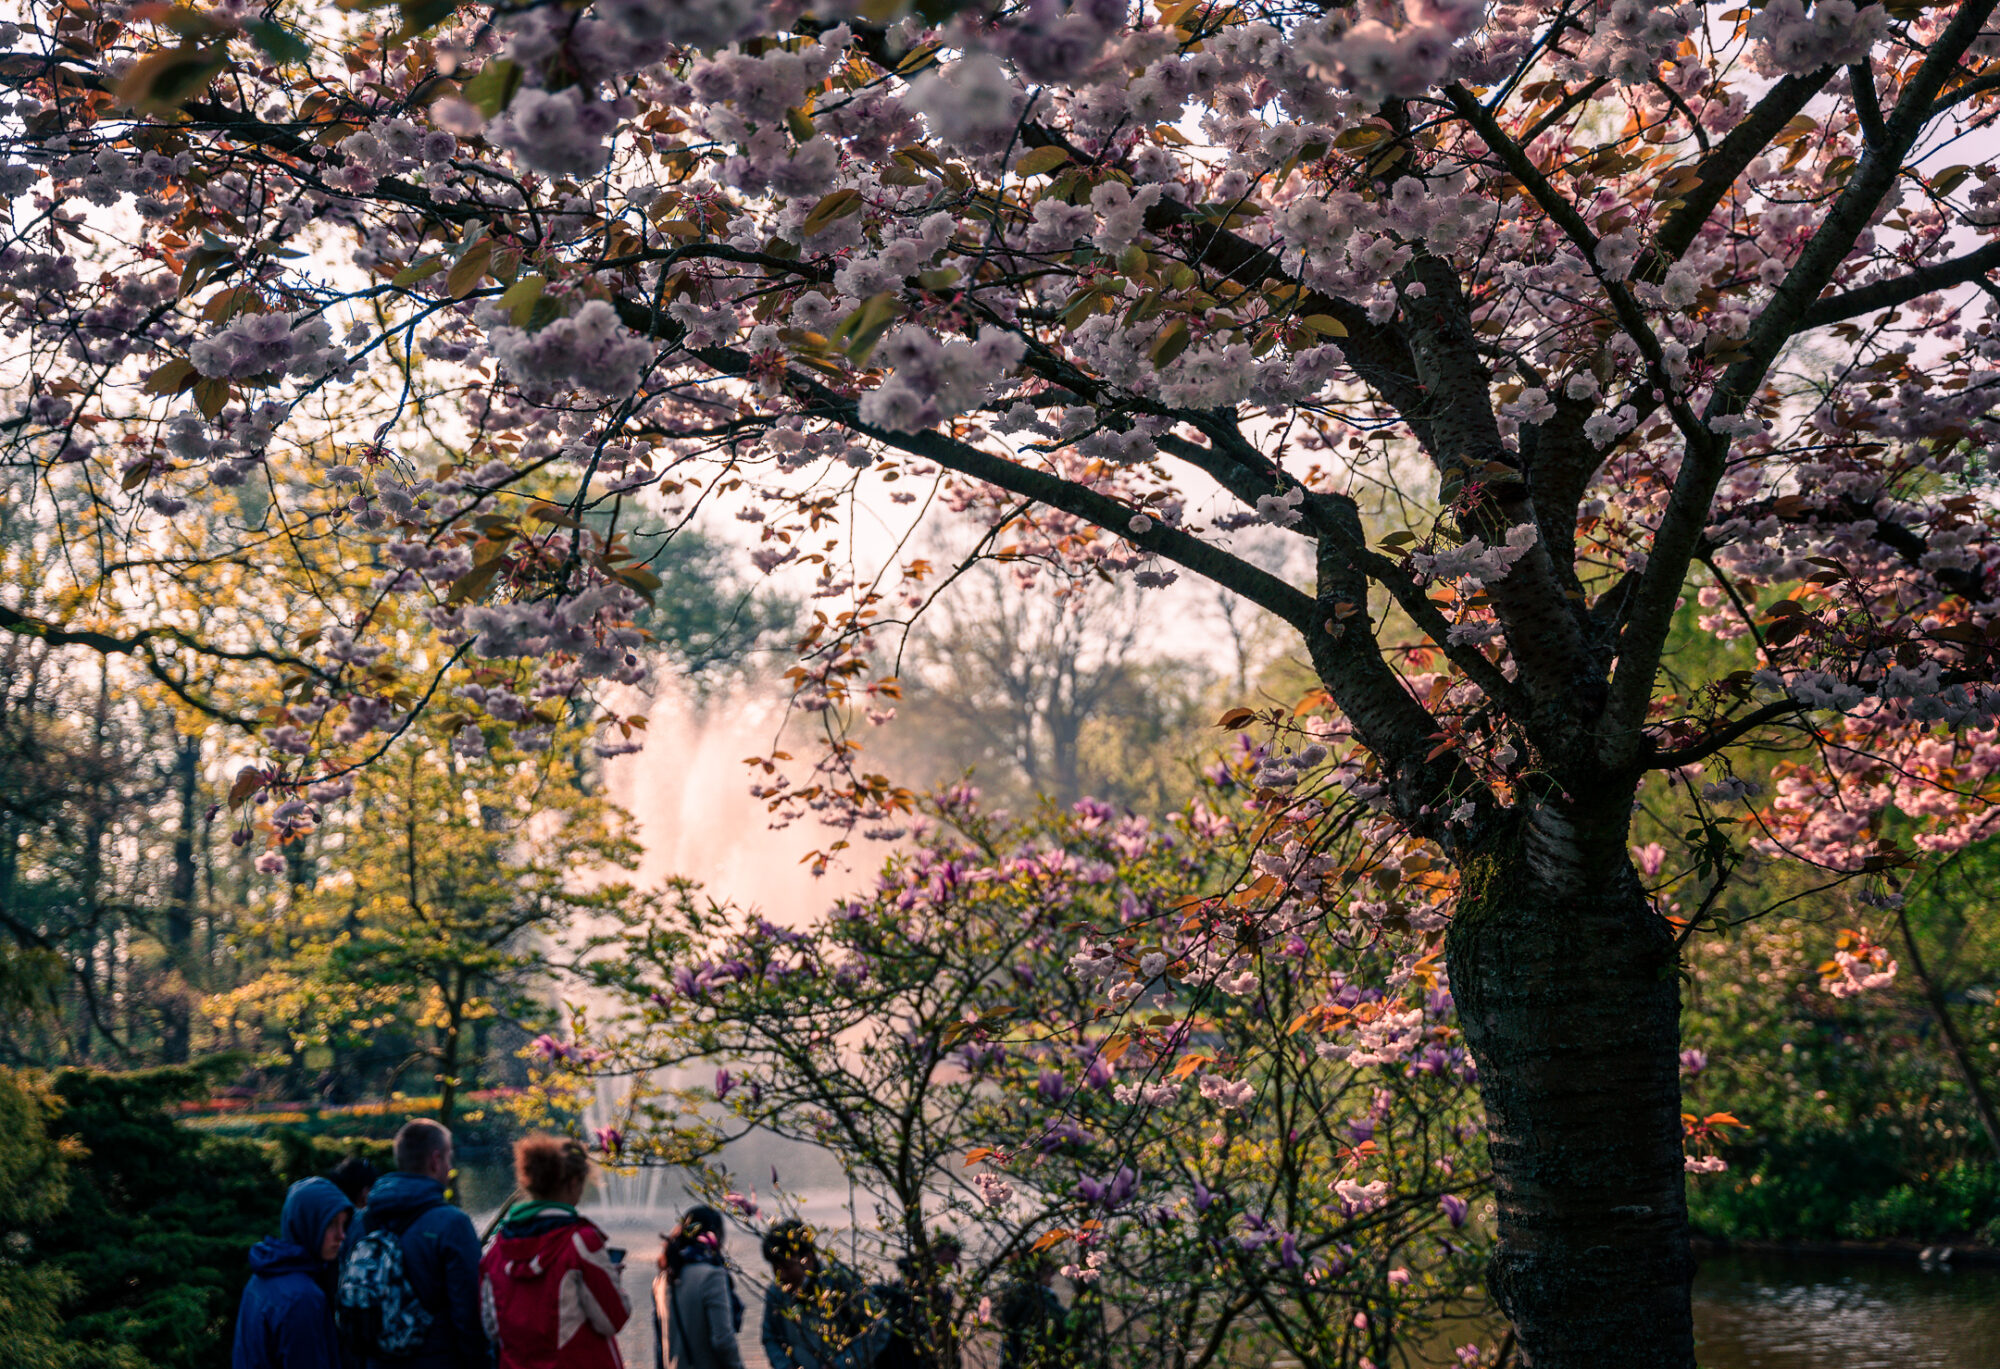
(696,1313)
(817,1314)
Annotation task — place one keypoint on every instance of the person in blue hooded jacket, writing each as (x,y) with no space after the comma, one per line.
(286,1320)
(440,1250)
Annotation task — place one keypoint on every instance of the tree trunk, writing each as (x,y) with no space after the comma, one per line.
(448,1051)
(177,1002)
(1566,985)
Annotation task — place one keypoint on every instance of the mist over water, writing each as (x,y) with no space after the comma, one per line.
(689,792)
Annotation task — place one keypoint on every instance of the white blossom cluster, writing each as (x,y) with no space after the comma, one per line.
(1475,564)
(1835,33)
(933,380)
(273,344)
(589,350)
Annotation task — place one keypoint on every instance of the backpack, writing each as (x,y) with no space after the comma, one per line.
(375,1307)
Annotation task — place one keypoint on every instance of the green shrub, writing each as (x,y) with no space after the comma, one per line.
(1959,1204)
(134,1252)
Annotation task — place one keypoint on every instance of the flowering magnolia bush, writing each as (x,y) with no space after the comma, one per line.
(1225,1188)
(1633,304)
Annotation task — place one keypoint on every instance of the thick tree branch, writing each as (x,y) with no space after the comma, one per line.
(1724,736)
(1867,108)
(1720,169)
(1887,294)
(1257,585)
(144,645)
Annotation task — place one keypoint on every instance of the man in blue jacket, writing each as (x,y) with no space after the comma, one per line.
(286,1320)
(440,1251)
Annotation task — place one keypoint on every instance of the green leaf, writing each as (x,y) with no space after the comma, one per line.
(1326,325)
(1172,341)
(1041,161)
(210,395)
(171,378)
(423,269)
(475,582)
(161,82)
(522,296)
(493,87)
(830,210)
(279,43)
(642,580)
(468,271)
(421,16)
(863,328)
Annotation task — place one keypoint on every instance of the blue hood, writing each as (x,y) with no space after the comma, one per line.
(274,1256)
(400,1194)
(311,1205)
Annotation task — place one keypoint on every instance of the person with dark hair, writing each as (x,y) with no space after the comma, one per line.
(409,1277)
(353,1176)
(286,1320)
(549,1292)
(918,1305)
(1034,1325)
(696,1312)
(817,1314)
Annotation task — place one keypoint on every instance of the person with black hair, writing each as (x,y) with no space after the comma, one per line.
(1034,1324)
(696,1312)
(919,1306)
(354,1176)
(817,1314)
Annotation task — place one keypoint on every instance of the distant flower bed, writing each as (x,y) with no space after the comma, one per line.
(244,1115)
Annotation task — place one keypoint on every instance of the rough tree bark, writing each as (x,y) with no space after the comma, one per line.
(177,1009)
(1567,992)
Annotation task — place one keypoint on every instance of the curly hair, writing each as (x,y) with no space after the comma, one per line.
(546,1165)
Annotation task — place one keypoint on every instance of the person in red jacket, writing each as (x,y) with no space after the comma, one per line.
(548,1290)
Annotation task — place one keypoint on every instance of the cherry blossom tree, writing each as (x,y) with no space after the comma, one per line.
(1640,304)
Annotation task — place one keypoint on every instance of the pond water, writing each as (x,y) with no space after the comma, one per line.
(1833,1312)
(1752,1311)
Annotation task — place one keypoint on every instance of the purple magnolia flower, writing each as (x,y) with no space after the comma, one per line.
(1454,1207)
(1693,1061)
(1063,1134)
(1288,1252)
(724,1082)
(1203,1199)
(1092,814)
(610,1140)
(1051,1087)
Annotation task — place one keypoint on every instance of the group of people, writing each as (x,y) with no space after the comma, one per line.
(383,1273)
